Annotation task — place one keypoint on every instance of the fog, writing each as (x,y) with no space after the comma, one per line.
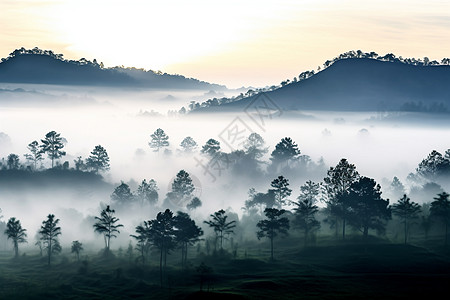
(122,121)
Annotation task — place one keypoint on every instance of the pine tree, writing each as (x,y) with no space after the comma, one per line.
(440,210)
(49,236)
(188,144)
(52,144)
(281,190)
(221,226)
(159,140)
(76,248)
(107,226)
(272,226)
(16,233)
(35,155)
(406,211)
(98,160)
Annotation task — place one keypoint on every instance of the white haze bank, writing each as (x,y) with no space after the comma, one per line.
(123,120)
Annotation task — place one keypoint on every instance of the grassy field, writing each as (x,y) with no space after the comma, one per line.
(343,270)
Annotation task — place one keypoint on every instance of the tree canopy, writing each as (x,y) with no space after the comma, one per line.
(159,139)
(368,209)
(273,225)
(107,225)
(220,225)
(16,234)
(406,210)
(98,160)
(50,232)
(53,144)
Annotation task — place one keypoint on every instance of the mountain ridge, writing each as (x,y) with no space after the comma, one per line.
(361,84)
(38,66)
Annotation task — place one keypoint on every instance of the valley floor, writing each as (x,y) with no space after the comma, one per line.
(349,270)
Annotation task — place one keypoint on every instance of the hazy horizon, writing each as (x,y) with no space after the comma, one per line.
(234,43)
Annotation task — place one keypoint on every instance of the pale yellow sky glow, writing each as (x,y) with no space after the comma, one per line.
(236,43)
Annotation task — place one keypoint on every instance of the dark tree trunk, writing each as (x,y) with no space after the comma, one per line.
(165,258)
(406,232)
(366,232)
(343,228)
(185,254)
(49,252)
(160,266)
(306,235)
(271,248)
(16,249)
(336,228)
(446,233)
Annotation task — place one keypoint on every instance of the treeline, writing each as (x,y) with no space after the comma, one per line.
(352,54)
(52,145)
(351,200)
(348,198)
(139,74)
(37,51)
(248,160)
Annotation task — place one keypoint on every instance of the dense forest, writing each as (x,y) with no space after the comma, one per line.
(175,251)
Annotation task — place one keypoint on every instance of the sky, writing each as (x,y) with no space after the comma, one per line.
(236,43)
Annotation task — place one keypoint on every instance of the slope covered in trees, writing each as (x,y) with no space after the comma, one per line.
(45,67)
(353,83)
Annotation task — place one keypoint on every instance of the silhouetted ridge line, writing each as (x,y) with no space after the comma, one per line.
(356,81)
(46,67)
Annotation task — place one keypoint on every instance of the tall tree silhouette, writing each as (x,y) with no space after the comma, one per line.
(254,146)
(220,225)
(16,234)
(122,195)
(50,231)
(440,210)
(143,238)
(337,184)
(159,139)
(98,160)
(368,209)
(406,211)
(281,190)
(187,234)
(310,191)
(162,235)
(52,144)
(272,226)
(76,248)
(35,154)
(188,144)
(182,189)
(249,160)
(147,192)
(107,225)
(12,161)
(306,210)
(285,152)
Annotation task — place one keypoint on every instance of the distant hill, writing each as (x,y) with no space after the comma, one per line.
(362,84)
(38,66)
